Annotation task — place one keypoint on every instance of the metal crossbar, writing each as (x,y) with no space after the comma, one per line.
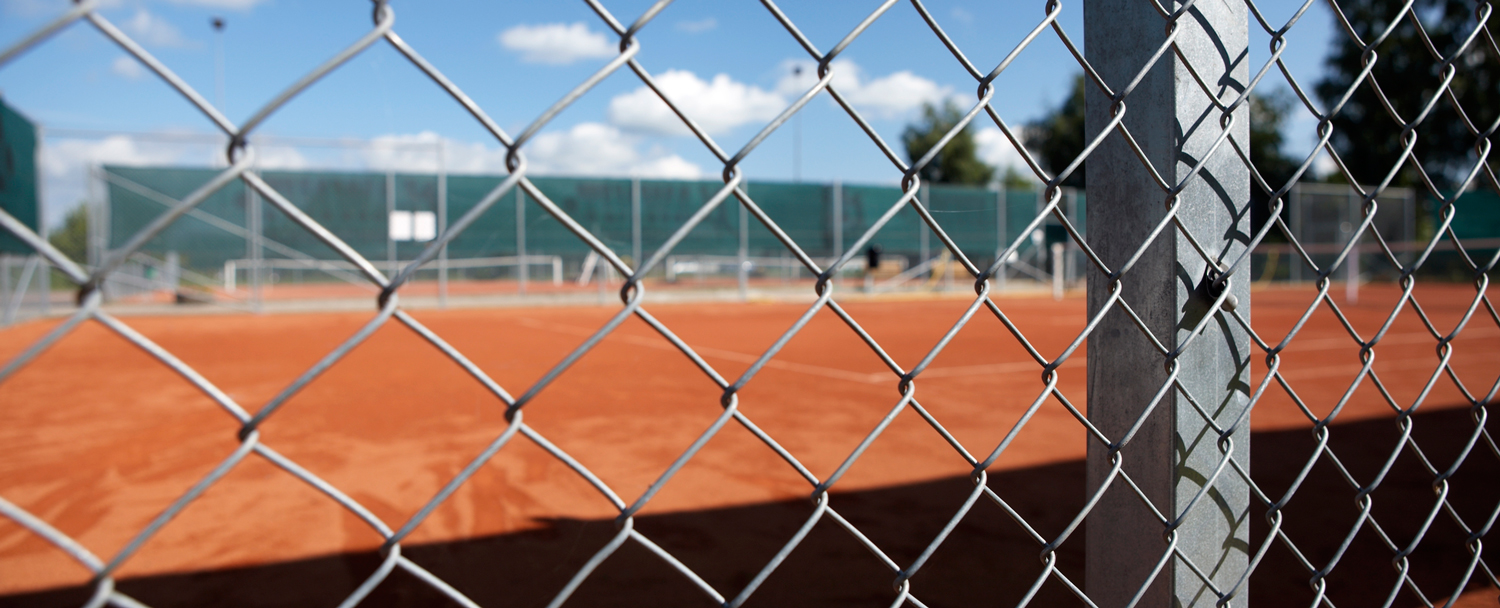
(1120,257)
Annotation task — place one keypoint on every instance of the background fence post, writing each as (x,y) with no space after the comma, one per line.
(390,211)
(742,257)
(257,251)
(635,222)
(44,284)
(1057,271)
(1001,208)
(99,222)
(924,192)
(6,292)
(523,268)
(1353,209)
(1175,451)
(442,221)
(838,225)
(171,274)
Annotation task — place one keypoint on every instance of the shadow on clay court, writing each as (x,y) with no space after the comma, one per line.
(988,560)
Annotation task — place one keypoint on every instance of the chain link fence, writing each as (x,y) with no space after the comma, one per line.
(1169,497)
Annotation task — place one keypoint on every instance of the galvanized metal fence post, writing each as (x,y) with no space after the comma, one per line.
(1134,379)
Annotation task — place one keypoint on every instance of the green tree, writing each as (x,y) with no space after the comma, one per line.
(1015,180)
(1268,115)
(73,238)
(958,162)
(1057,138)
(1366,135)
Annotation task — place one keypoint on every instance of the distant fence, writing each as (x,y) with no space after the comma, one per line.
(381,216)
(624,213)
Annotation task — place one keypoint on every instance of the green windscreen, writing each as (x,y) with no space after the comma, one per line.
(822,220)
(17,176)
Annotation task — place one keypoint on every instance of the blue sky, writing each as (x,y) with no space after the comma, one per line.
(730,64)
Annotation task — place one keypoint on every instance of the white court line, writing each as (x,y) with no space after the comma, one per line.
(1385,366)
(717,353)
(1018,367)
(1407,338)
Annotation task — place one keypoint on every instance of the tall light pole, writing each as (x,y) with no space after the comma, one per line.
(218,23)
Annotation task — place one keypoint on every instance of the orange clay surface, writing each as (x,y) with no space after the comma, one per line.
(97,438)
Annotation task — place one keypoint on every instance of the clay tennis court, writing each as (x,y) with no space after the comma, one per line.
(97,438)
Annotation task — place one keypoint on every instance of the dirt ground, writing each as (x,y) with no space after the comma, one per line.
(97,438)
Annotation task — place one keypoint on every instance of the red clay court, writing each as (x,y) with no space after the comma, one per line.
(97,438)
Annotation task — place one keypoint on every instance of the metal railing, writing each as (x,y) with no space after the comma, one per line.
(1169,337)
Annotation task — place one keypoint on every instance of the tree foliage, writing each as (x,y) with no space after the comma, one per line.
(1268,114)
(958,161)
(1057,138)
(73,238)
(1366,135)
(1015,180)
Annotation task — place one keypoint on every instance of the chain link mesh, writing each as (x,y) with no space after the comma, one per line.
(1404,126)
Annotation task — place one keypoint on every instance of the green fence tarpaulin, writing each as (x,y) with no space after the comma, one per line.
(354,207)
(17,176)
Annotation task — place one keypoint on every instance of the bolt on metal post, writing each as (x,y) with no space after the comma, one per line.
(1175,452)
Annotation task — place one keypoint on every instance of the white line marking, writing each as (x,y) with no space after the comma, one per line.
(1020,367)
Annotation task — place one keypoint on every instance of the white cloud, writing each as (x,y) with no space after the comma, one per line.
(896,94)
(152,30)
(801,75)
(717,105)
(996,150)
(1322,166)
(599,149)
(280,159)
(889,96)
(127,67)
(416,153)
(698,27)
(586,149)
(65,164)
(72,155)
(419,153)
(556,43)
